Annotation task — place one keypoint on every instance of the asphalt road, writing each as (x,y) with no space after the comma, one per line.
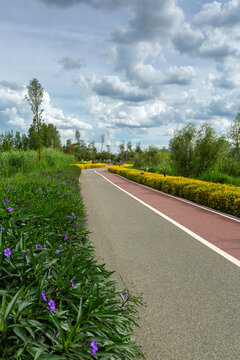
(192,294)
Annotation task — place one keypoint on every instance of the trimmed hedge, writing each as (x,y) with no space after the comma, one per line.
(222,197)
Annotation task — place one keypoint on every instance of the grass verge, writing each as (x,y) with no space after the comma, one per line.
(56,302)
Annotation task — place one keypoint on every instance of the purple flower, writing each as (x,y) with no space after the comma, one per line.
(51,305)
(76,224)
(72,279)
(68,192)
(94,347)
(43,296)
(37,246)
(47,190)
(60,246)
(65,238)
(124,293)
(9,185)
(6,201)
(7,252)
(1,228)
(57,252)
(10,209)
(115,309)
(74,216)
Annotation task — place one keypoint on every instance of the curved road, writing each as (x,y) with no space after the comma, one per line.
(192,293)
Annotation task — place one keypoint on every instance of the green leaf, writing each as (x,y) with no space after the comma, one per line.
(39,353)
(76,327)
(11,305)
(21,334)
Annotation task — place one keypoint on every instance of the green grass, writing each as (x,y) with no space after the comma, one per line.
(219,177)
(44,233)
(24,162)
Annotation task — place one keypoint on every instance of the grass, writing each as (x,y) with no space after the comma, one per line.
(24,162)
(56,302)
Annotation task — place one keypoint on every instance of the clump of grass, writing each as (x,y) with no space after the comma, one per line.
(219,177)
(24,162)
(56,302)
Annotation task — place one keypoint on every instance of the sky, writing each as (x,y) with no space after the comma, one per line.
(131,70)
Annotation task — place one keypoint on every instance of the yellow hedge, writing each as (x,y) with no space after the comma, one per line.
(217,196)
(90,166)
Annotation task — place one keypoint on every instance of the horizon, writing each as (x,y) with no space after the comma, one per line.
(129,70)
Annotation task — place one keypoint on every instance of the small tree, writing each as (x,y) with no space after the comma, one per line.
(35,98)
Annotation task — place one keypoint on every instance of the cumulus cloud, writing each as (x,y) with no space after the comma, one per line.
(216,14)
(72,63)
(111,4)
(113,87)
(155,21)
(187,40)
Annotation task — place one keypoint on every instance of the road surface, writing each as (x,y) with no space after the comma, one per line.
(192,293)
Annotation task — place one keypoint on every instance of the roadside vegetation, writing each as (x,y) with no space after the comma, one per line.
(56,302)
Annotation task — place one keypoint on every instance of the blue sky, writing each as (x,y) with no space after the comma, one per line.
(133,70)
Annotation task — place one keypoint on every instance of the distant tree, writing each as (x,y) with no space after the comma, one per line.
(92,150)
(24,142)
(33,138)
(50,136)
(35,98)
(17,141)
(121,147)
(108,149)
(234,135)
(77,136)
(6,146)
(182,149)
(208,148)
(102,142)
(69,146)
(138,148)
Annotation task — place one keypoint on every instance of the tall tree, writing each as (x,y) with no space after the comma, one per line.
(102,142)
(17,141)
(35,98)
(182,149)
(208,148)
(77,136)
(234,135)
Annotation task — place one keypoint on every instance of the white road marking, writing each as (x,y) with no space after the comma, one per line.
(231,217)
(197,237)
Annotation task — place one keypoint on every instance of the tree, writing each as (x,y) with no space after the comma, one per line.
(35,98)
(25,142)
(77,136)
(121,147)
(17,141)
(182,149)
(50,136)
(234,135)
(102,142)
(208,149)
(138,148)
(69,146)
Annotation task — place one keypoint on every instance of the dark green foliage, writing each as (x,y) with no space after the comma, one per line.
(47,207)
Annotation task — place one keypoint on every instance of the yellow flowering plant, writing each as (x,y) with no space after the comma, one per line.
(222,197)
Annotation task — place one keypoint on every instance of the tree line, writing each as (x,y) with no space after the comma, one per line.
(191,151)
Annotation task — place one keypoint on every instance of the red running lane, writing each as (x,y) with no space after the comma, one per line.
(219,230)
